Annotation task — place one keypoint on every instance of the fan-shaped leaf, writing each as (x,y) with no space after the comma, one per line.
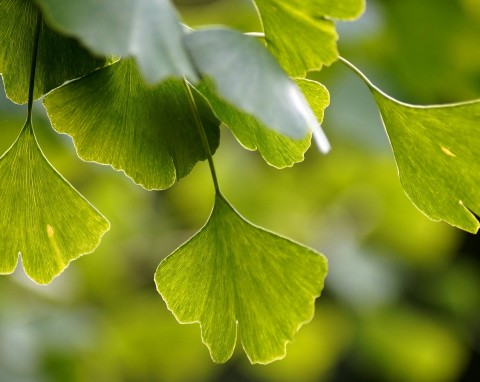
(42,216)
(248,77)
(148,30)
(278,150)
(436,150)
(59,58)
(147,131)
(301,34)
(233,277)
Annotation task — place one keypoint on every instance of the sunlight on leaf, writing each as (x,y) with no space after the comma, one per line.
(436,150)
(42,216)
(278,150)
(59,58)
(148,30)
(247,76)
(117,119)
(301,34)
(233,277)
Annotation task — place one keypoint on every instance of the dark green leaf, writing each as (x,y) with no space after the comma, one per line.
(117,119)
(42,216)
(148,30)
(59,58)
(233,277)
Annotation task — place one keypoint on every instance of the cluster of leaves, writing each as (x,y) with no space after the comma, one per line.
(139,91)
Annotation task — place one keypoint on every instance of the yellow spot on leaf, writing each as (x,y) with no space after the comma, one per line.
(447,151)
(49,230)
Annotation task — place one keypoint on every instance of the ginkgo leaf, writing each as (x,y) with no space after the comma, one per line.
(301,34)
(247,76)
(59,58)
(42,217)
(235,278)
(148,30)
(149,132)
(278,150)
(436,150)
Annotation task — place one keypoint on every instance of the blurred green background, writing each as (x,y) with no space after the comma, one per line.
(402,299)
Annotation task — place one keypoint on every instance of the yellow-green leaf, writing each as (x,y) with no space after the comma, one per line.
(236,279)
(301,33)
(42,217)
(436,150)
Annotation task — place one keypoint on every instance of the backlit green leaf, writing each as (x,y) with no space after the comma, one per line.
(247,76)
(42,216)
(147,131)
(301,33)
(148,30)
(278,150)
(59,58)
(436,150)
(235,278)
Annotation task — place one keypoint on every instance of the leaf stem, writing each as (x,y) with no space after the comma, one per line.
(373,88)
(203,136)
(33,67)
(358,72)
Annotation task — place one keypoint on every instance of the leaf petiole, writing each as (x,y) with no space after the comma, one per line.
(33,67)
(203,136)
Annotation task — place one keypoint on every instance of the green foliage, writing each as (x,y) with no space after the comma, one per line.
(42,217)
(148,30)
(59,58)
(291,27)
(277,150)
(247,76)
(146,131)
(232,277)
(235,277)
(436,150)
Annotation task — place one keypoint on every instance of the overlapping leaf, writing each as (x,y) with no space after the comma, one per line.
(59,58)
(42,216)
(237,279)
(301,34)
(148,132)
(436,150)
(148,30)
(248,77)
(278,150)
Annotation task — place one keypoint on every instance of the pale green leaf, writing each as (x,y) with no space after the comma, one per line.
(148,30)
(278,150)
(149,132)
(59,58)
(234,278)
(247,76)
(301,33)
(42,217)
(436,150)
